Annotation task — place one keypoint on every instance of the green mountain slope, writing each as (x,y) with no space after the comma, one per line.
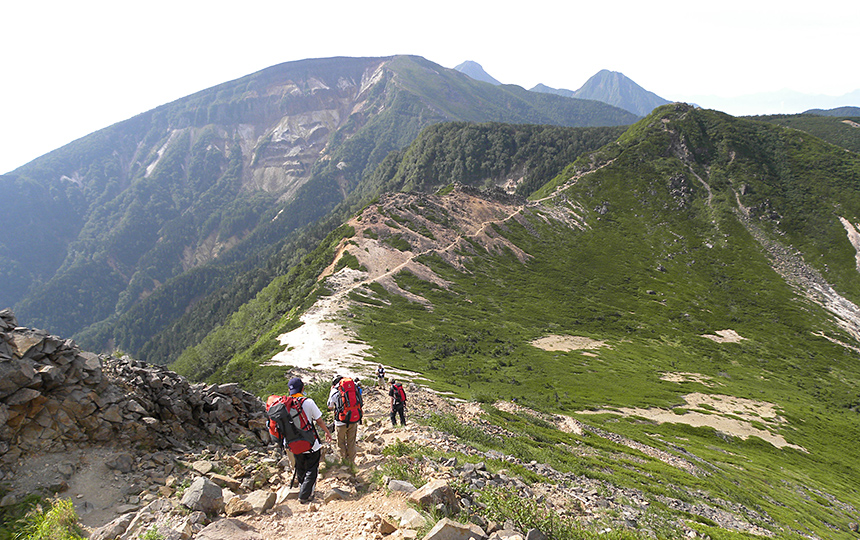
(499,156)
(161,212)
(691,288)
(841,130)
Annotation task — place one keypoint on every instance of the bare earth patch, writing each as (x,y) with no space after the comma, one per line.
(567,343)
(743,412)
(725,336)
(564,423)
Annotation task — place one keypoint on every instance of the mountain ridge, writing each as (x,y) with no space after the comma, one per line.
(225,177)
(684,286)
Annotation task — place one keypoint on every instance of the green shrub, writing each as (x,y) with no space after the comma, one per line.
(59,522)
(398,449)
(406,469)
(503,504)
(152,534)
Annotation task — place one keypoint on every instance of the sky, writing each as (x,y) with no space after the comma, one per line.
(71,68)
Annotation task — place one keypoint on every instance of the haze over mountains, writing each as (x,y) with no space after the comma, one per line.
(606,86)
(688,280)
(614,88)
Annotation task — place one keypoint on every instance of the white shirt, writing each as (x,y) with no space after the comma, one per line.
(332,402)
(313,413)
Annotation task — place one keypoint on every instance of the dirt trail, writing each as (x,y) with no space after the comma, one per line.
(324,344)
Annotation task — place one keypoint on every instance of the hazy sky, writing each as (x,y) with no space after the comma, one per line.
(70,68)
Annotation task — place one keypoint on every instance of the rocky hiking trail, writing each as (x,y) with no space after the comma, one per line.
(122,494)
(142,453)
(104,482)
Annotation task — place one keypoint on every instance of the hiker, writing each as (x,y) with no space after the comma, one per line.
(398,402)
(346,401)
(380,376)
(308,461)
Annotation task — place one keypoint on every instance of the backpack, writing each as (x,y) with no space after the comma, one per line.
(348,403)
(399,394)
(282,410)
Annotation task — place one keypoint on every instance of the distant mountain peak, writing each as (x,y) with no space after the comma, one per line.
(614,88)
(475,71)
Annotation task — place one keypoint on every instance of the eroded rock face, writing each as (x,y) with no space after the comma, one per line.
(54,396)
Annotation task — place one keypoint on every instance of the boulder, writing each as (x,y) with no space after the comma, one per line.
(261,500)
(386,527)
(228,529)
(203,495)
(202,466)
(448,529)
(237,506)
(401,486)
(434,493)
(336,494)
(22,396)
(225,481)
(15,374)
(535,534)
(114,529)
(122,462)
(412,519)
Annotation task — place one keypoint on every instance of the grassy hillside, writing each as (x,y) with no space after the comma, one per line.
(442,154)
(659,252)
(169,221)
(662,261)
(840,130)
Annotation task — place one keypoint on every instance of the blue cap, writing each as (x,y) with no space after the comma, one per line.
(296,385)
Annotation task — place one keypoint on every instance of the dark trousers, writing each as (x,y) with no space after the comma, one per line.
(395,409)
(307,469)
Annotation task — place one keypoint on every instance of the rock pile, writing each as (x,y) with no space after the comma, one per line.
(54,397)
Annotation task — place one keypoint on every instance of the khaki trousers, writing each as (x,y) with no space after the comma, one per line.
(346,441)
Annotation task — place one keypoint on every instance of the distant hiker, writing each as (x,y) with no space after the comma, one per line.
(398,402)
(345,400)
(291,421)
(380,376)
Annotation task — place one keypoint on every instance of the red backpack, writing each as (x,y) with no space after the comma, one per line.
(399,394)
(282,411)
(348,405)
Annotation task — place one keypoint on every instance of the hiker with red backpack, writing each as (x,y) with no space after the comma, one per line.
(398,402)
(346,401)
(291,422)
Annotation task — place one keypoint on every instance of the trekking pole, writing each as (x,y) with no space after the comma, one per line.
(293,481)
